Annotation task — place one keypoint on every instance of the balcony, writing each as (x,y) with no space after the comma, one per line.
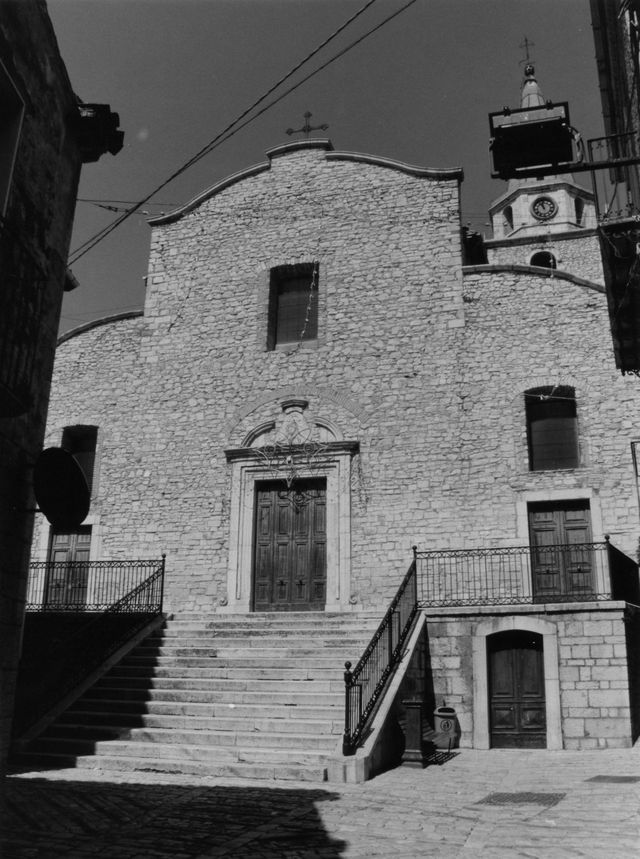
(95,586)
(580,572)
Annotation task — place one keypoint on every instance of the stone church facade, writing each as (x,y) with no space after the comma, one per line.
(318,303)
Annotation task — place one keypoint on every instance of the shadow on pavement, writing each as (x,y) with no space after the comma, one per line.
(79,819)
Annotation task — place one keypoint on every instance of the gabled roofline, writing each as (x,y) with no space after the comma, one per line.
(96,323)
(411,169)
(445,173)
(540,271)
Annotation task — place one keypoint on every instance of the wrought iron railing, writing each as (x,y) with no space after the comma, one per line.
(94,586)
(76,640)
(524,574)
(617,188)
(366,683)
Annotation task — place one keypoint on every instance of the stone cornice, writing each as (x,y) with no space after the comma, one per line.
(412,170)
(544,238)
(538,271)
(96,323)
(329,448)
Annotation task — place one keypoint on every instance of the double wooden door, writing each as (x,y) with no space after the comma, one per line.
(67,575)
(517,704)
(290,547)
(562,562)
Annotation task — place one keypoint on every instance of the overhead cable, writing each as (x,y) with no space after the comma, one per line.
(230,130)
(91,242)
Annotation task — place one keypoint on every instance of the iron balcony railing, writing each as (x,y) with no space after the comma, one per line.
(578,572)
(95,586)
(366,683)
(65,649)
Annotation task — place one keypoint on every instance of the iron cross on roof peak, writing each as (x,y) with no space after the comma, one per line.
(526,44)
(306,128)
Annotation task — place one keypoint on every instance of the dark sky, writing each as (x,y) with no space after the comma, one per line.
(418,90)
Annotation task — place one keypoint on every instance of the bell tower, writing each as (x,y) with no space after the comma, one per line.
(535,217)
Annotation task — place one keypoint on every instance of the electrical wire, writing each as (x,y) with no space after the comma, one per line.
(93,241)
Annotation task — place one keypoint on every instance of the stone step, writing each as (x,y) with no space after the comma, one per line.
(131,697)
(213,670)
(232,767)
(116,740)
(261,634)
(279,648)
(192,659)
(266,620)
(92,710)
(143,684)
(110,725)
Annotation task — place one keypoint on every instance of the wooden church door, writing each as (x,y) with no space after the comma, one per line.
(290,547)
(517,705)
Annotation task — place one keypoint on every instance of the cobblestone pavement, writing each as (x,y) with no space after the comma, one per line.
(492,804)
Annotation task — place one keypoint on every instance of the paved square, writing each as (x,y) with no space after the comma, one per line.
(546,805)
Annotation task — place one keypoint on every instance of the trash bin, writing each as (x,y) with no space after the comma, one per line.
(445,725)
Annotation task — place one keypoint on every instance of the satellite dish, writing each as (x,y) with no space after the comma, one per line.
(61,489)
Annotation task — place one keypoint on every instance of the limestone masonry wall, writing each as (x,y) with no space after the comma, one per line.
(579,255)
(421,365)
(594,690)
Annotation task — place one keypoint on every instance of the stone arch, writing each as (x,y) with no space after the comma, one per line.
(524,623)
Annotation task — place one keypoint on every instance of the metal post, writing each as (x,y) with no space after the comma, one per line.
(164,557)
(346,739)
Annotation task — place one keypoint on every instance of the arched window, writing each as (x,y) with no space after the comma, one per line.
(507,222)
(544,259)
(552,431)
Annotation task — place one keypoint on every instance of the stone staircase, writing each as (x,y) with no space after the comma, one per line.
(256,696)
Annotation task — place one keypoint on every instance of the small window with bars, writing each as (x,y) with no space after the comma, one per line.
(552,430)
(293,304)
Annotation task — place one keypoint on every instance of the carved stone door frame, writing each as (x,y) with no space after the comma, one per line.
(246,470)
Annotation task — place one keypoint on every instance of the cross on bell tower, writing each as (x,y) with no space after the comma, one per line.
(526,44)
(306,128)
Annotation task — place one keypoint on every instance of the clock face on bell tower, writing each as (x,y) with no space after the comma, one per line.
(544,208)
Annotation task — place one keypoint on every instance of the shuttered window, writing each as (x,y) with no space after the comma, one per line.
(552,428)
(293,304)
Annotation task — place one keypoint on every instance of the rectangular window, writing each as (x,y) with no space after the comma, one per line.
(552,431)
(11,110)
(293,304)
(81,442)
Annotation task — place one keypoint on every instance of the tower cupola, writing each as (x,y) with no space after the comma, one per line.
(531,94)
(535,217)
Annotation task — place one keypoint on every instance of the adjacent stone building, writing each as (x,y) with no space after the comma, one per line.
(45,136)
